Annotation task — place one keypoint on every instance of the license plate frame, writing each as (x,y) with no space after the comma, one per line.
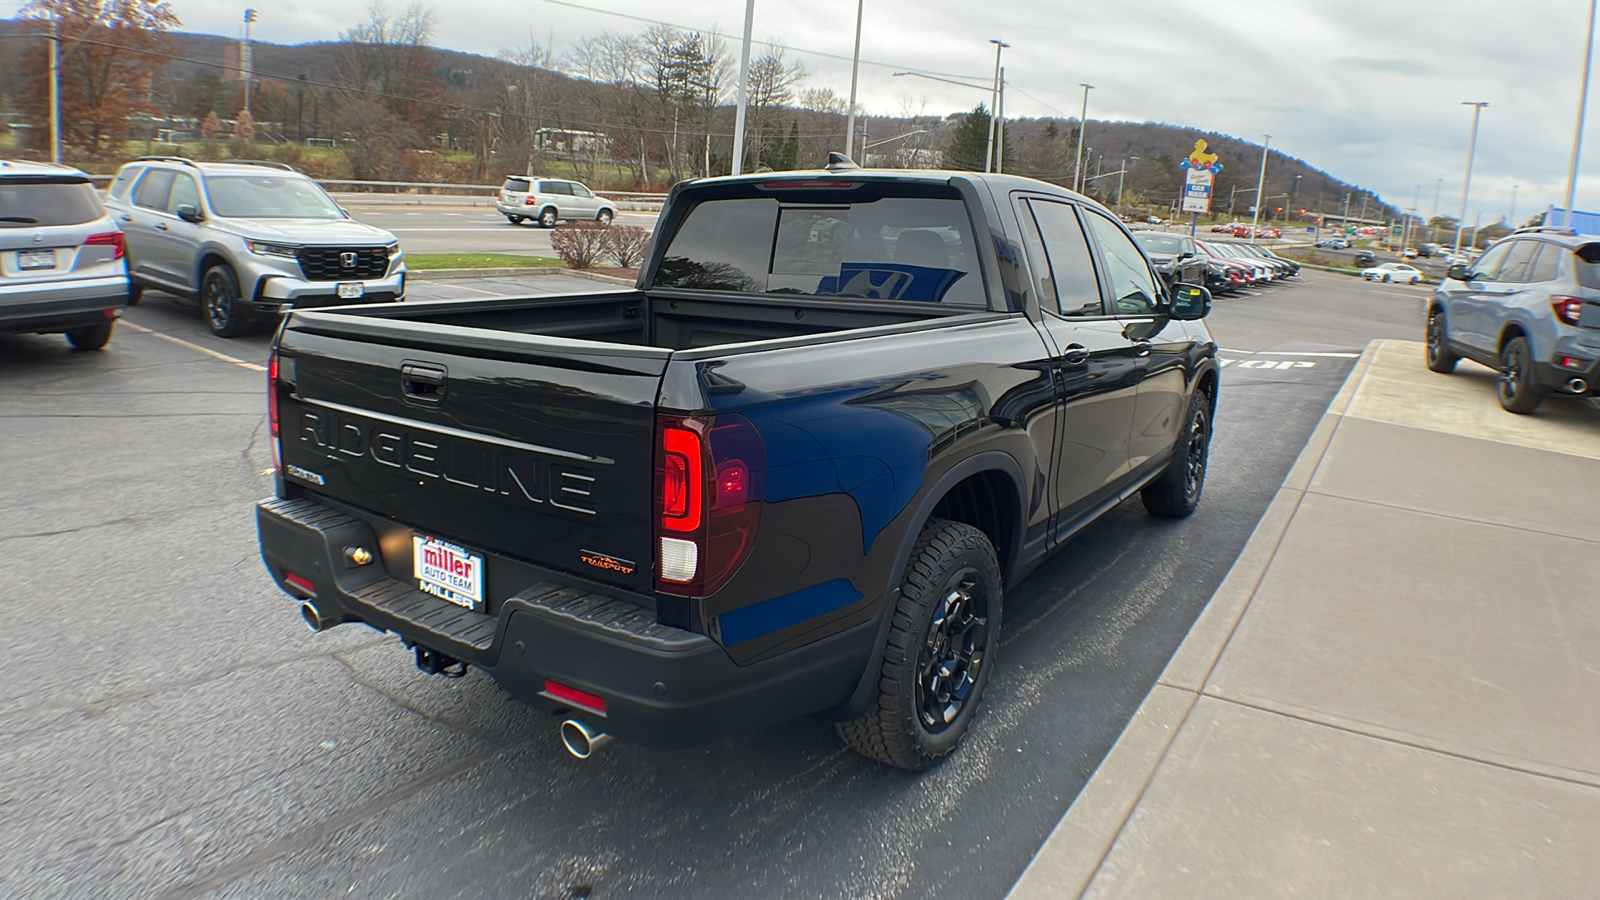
(352,291)
(448,571)
(35,260)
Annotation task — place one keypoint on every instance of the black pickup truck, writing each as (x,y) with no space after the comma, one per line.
(791,472)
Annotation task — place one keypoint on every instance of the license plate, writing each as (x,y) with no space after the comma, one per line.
(36,259)
(448,572)
(351,291)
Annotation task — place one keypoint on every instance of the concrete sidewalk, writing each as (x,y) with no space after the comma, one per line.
(1396,690)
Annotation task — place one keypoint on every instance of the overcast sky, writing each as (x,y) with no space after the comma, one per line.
(1367,91)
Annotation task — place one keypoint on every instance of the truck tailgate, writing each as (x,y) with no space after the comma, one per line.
(533,447)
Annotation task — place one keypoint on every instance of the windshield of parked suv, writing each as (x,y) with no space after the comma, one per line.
(1157,243)
(891,248)
(269,197)
(26,203)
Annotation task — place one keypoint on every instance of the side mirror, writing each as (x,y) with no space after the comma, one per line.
(1185,255)
(1190,302)
(1458,272)
(189,213)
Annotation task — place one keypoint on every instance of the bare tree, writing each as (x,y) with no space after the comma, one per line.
(386,62)
(772,81)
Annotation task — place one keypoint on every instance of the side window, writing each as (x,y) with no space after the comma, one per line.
(558,187)
(124,180)
(1518,262)
(580,190)
(1071,279)
(185,192)
(1133,287)
(153,189)
(1547,265)
(1488,265)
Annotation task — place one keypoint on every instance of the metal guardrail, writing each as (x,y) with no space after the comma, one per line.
(404,186)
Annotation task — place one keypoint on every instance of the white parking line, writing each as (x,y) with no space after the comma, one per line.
(1291,353)
(195,347)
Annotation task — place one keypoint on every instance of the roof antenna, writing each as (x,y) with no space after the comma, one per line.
(838,161)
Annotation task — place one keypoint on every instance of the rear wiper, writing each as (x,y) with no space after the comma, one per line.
(25,220)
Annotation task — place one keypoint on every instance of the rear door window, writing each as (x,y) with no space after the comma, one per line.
(1071,281)
(123,181)
(887,248)
(1547,265)
(30,202)
(556,187)
(153,189)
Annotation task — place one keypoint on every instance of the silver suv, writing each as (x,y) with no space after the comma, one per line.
(1528,308)
(548,200)
(61,256)
(249,240)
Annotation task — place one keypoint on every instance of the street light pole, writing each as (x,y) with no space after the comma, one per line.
(1577,132)
(1261,185)
(744,89)
(1511,216)
(55,88)
(1466,184)
(994,104)
(1294,198)
(855,67)
(1000,126)
(245,61)
(1083,126)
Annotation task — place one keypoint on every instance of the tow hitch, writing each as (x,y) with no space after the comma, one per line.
(435,663)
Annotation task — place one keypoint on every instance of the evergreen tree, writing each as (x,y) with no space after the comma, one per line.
(791,148)
(969,145)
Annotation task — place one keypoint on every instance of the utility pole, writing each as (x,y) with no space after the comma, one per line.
(1000,126)
(744,85)
(1577,132)
(855,66)
(1083,127)
(1511,217)
(1261,184)
(55,88)
(1466,184)
(994,104)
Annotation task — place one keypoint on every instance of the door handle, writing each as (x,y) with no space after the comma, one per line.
(422,383)
(125,218)
(1141,348)
(1075,355)
(161,226)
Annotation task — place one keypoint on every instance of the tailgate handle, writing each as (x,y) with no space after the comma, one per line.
(422,384)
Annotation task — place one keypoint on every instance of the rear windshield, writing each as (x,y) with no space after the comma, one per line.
(269,197)
(516,185)
(27,202)
(1157,243)
(892,248)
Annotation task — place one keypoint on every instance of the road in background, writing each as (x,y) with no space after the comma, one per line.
(173,729)
(459,225)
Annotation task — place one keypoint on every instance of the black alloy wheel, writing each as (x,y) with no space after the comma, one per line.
(1516,388)
(220,303)
(952,652)
(1441,358)
(1176,493)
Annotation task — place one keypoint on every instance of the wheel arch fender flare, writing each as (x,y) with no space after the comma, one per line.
(923,506)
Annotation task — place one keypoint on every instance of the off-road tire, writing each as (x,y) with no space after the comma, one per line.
(892,730)
(547,218)
(220,304)
(1440,357)
(1515,386)
(93,337)
(1176,492)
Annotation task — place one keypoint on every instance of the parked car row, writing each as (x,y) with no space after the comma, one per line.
(1239,229)
(1232,265)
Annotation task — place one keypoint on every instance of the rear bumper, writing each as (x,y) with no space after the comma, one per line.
(60,305)
(1556,379)
(662,686)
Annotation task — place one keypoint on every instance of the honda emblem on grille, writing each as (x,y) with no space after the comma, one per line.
(348,259)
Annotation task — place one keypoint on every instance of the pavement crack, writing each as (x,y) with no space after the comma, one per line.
(293,843)
(361,679)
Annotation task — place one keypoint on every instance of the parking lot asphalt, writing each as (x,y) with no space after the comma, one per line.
(172,729)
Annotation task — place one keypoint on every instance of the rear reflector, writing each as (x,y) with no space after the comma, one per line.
(575,697)
(298,583)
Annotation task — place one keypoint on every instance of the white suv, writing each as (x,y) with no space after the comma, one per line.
(549,200)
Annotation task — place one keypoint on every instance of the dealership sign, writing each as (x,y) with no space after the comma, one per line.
(1202,177)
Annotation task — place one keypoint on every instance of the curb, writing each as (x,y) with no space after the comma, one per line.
(1066,864)
(502,272)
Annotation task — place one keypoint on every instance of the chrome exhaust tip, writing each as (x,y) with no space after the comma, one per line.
(315,618)
(1578,386)
(580,740)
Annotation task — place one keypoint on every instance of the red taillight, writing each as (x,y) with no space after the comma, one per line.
(272,409)
(1568,309)
(809,185)
(112,239)
(710,483)
(528,201)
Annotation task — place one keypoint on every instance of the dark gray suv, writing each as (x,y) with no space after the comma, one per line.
(1528,308)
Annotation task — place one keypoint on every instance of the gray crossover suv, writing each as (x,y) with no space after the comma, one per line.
(549,200)
(249,240)
(1529,308)
(61,256)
